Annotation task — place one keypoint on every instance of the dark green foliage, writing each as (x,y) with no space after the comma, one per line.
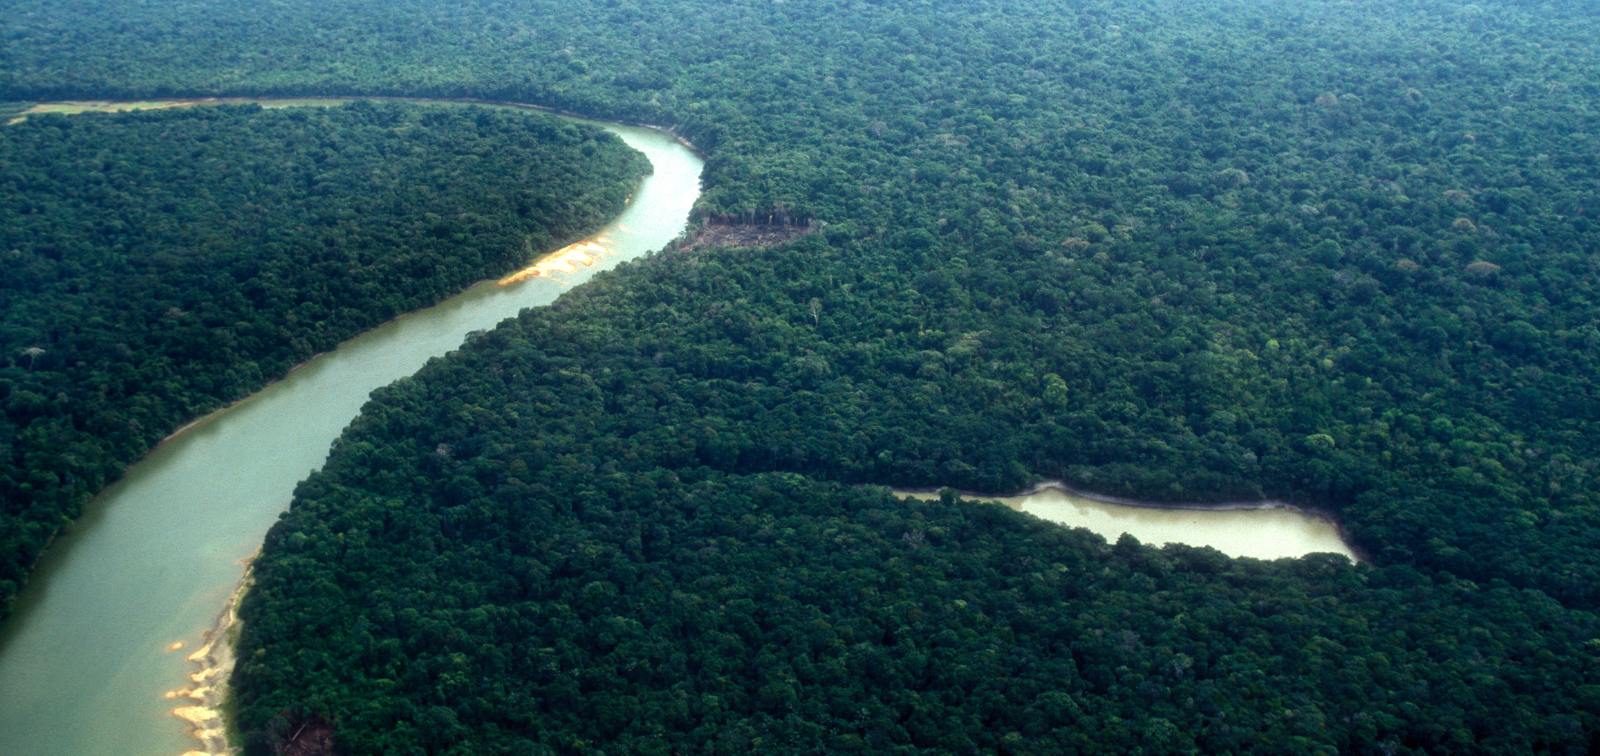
(525,548)
(157,265)
(1142,199)
(1336,252)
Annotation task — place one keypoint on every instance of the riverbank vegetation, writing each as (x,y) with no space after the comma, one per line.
(535,546)
(1332,253)
(158,265)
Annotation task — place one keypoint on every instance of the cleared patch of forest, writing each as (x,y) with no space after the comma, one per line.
(724,235)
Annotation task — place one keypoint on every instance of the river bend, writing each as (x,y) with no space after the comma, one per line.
(102,633)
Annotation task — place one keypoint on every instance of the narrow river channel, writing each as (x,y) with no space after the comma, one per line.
(117,604)
(1263,530)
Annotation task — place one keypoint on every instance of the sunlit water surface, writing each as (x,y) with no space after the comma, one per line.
(1263,532)
(103,630)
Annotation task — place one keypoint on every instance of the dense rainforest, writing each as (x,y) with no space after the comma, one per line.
(158,265)
(534,546)
(1337,253)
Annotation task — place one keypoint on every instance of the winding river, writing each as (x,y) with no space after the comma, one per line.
(95,655)
(95,658)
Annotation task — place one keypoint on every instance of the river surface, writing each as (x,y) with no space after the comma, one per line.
(1263,531)
(102,633)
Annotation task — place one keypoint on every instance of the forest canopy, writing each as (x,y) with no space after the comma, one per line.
(1336,253)
(158,265)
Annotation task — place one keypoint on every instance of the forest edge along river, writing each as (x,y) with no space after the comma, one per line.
(97,655)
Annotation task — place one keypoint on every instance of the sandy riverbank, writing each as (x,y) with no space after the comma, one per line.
(213,665)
